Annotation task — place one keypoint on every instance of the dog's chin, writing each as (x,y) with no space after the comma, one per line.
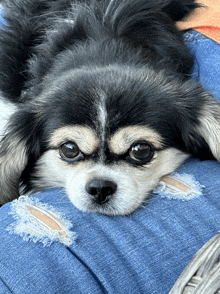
(129,195)
(112,208)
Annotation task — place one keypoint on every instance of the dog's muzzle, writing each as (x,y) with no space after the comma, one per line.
(101,190)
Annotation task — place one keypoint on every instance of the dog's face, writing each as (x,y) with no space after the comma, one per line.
(114,176)
(105,149)
(107,136)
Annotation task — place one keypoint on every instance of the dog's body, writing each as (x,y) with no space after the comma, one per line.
(104,102)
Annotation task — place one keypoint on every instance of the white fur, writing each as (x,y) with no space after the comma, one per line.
(102,115)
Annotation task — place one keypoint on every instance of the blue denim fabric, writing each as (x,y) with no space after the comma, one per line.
(207,61)
(143,253)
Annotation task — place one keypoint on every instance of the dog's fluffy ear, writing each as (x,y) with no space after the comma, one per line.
(13,160)
(18,150)
(147,26)
(200,123)
(18,37)
(209,126)
(24,27)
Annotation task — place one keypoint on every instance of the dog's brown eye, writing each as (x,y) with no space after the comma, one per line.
(141,152)
(69,150)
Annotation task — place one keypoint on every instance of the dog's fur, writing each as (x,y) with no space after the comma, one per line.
(104,103)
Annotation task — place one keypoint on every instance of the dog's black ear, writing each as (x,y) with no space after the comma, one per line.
(23,29)
(209,126)
(199,121)
(19,146)
(145,25)
(19,34)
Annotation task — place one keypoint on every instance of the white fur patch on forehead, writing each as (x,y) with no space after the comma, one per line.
(121,141)
(102,114)
(84,137)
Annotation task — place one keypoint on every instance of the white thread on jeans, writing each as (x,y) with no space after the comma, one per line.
(179,186)
(39,222)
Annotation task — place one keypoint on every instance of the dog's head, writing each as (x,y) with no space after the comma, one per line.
(107,136)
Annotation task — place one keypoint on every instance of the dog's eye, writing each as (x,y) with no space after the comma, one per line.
(141,152)
(69,150)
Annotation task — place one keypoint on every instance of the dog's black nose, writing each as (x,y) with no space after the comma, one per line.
(101,189)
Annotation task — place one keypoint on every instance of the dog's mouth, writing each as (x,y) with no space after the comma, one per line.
(104,190)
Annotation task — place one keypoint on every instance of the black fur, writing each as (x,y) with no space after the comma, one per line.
(28,51)
(129,50)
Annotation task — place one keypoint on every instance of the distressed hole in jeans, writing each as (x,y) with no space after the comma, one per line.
(179,186)
(39,222)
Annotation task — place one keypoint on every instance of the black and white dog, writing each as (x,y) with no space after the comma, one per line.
(103,103)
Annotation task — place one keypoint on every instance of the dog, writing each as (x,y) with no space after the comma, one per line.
(102,101)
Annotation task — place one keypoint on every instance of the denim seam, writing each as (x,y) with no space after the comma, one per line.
(6,285)
(199,36)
